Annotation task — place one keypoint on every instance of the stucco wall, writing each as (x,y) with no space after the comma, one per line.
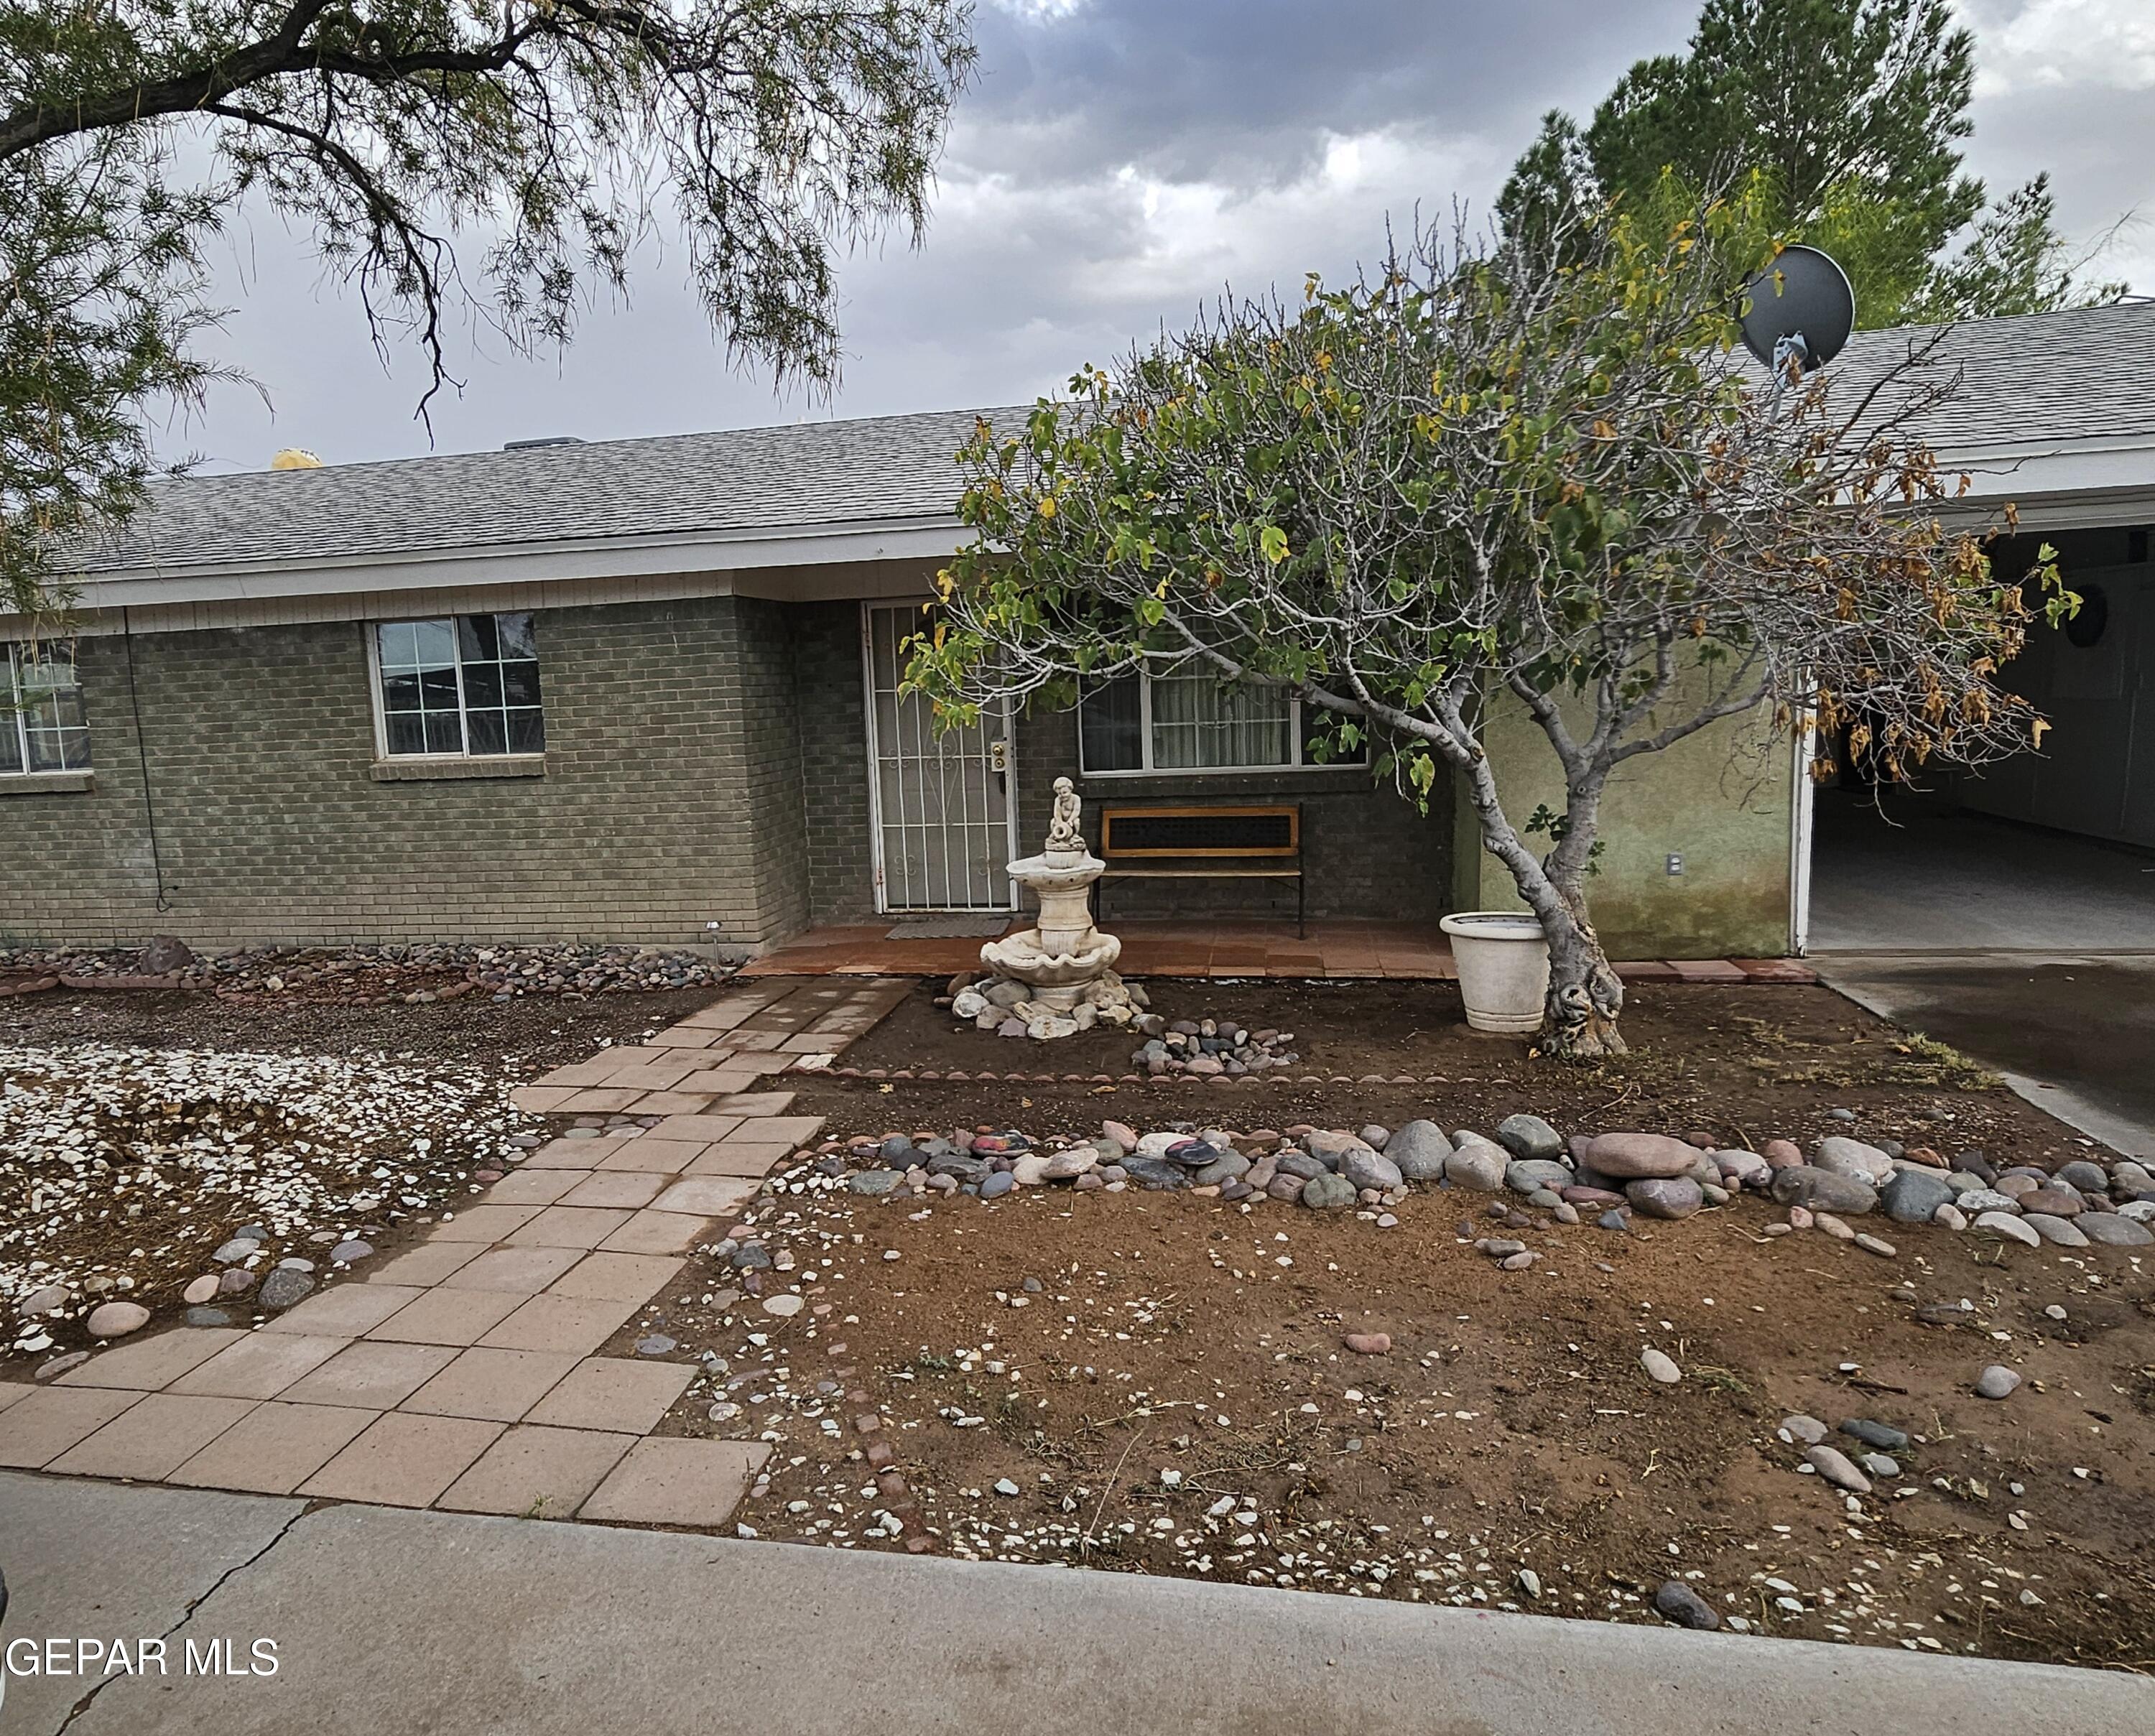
(1720,799)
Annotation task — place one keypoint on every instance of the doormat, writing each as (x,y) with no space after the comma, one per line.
(985,926)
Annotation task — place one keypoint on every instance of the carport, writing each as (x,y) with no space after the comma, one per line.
(2010,911)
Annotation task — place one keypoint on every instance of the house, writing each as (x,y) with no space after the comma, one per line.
(647,690)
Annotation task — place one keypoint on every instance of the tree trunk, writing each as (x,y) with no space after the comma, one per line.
(1585,996)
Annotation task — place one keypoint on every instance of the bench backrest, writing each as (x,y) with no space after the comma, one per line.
(1238,831)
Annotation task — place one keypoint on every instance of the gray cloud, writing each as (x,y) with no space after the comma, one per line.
(1119,161)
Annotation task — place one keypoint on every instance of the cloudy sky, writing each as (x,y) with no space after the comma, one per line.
(1118,161)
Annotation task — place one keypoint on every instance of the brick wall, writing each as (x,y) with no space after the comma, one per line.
(1366,851)
(832,708)
(671,796)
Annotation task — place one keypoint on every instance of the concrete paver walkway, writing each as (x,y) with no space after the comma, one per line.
(466,1373)
(390,1622)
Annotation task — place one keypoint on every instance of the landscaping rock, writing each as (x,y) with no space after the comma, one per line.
(1368,1343)
(116,1320)
(873,1182)
(1536,1175)
(165,955)
(202,1289)
(1815,1189)
(1478,1166)
(1640,1156)
(1808,1430)
(1841,1157)
(284,1287)
(2058,1232)
(996,1186)
(1419,1150)
(1668,1197)
(1529,1137)
(1158,1176)
(2113,1229)
(1913,1196)
(2052,1202)
(1659,1367)
(1329,1193)
(1996,1382)
(1684,1607)
(2088,1178)
(347,1253)
(1837,1468)
(1366,1168)
(1744,1169)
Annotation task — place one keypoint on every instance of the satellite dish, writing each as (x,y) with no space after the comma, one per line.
(1801,309)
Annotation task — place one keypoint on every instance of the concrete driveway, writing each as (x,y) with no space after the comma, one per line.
(386,1622)
(2073,1033)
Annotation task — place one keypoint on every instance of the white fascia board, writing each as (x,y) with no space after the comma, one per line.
(2078,466)
(599,557)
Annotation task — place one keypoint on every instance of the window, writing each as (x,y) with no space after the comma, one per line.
(43,727)
(1184,718)
(469,686)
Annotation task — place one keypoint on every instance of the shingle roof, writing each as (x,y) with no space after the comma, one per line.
(2031,381)
(805,473)
(2027,383)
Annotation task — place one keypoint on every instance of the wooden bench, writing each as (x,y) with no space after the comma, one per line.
(1204,843)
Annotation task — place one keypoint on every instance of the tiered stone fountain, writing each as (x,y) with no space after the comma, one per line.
(1058,976)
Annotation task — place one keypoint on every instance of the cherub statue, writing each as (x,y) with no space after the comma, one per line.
(1063,838)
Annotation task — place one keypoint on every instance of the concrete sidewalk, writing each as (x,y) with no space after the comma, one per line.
(388,1621)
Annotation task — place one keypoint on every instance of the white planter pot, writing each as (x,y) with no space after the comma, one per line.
(1503,961)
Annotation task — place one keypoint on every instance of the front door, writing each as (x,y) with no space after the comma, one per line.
(942,803)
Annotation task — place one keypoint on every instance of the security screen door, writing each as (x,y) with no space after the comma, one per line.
(943,808)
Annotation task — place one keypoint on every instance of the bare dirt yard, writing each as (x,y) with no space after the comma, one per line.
(1160,1382)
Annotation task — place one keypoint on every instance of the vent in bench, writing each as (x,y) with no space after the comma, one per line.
(1200,831)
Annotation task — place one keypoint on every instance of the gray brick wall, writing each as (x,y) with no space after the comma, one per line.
(1367,852)
(670,798)
(831,707)
(707,762)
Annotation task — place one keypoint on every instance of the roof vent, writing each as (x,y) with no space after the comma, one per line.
(295,457)
(543,440)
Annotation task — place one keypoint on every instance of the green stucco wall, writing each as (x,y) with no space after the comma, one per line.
(1720,799)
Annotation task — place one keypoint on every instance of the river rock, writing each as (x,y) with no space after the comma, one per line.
(2112,1230)
(873,1182)
(1882,1436)
(1808,1430)
(1684,1607)
(1670,1197)
(2058,1232)
(1068,1166)
(1743,1168)
(1418,1149)
(1913,1196)
(1834,1465)
(1822,1190)
(1536,1176)
(1841,1156)
(2012,1229)
(1980,1200)
(1156,1175)
(1529,1137)
(1368,1343)
(1476,1166)
(1329,1193)
(1996,1382)
(116,1320)
(1659,1367)
(1633,1157)
(1231,1166)
(1366,1168)
(1782,1153)
(2088,1178)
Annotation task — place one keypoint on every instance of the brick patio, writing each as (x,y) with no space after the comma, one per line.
(1201,948)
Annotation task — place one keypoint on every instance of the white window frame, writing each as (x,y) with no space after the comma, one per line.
(14,716)
(381,753)
(1144,680)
